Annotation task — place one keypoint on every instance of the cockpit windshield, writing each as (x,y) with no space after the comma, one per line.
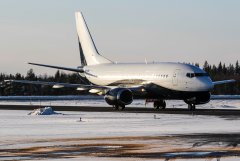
(191,75)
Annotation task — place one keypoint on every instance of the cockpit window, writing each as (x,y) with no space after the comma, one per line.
(201,74)
(191,75)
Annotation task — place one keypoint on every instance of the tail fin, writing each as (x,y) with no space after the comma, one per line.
(88,51)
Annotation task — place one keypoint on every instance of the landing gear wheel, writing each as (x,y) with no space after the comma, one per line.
(191,107)
(160,104)
(156,105)
(115,107)
(163,105)
(121,107)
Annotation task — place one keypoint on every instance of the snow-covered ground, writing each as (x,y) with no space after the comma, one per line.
(20,130)
(19,125)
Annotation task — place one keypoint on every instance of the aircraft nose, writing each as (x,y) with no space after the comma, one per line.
(207,84)
(210,85)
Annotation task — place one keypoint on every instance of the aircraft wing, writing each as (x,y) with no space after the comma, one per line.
(58,85)
(58,67)
(224,97)
(224,82)
(81,87)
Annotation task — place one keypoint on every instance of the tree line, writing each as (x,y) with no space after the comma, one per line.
(216,72)
(224,72)
(19,89)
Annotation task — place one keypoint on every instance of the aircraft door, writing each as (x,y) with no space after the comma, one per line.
(175,77)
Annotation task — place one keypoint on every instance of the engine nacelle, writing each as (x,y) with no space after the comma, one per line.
(200,98)
(119,96)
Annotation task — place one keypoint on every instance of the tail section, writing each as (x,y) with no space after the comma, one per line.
(88,51)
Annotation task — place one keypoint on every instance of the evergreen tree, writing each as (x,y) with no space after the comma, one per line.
(231,70)
(18,76)
(196,64)
(206,67)
(30,75)
(224,69)
(237,68)
(57,76)
(220,68)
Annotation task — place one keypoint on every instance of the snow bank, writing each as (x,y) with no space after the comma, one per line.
(44,111)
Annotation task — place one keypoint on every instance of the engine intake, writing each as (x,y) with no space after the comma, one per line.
(119,96)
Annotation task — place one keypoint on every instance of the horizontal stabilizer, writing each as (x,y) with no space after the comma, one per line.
(58,67)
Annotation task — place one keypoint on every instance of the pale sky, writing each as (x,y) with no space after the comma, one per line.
(44,31)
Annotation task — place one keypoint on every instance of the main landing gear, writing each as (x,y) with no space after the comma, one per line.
(159,104)
(191,106)
(118,107)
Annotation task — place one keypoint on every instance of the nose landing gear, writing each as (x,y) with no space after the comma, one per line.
(191,107)
(191,103)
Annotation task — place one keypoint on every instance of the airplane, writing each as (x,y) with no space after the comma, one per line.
(120,83)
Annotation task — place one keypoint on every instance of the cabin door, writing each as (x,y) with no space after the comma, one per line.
(175,77)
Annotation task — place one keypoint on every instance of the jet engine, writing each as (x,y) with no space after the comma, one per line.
(119,96)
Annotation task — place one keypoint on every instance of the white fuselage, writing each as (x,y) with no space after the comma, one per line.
(172,76)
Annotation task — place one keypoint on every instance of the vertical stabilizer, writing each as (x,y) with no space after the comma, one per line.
(88,51)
